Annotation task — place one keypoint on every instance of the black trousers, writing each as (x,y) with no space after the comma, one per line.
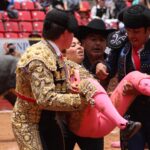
(140,111)
(50,132)
(84,143)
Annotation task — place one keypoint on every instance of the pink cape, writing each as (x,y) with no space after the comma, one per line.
(94,123)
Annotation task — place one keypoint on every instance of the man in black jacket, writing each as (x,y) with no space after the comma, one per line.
(131,52)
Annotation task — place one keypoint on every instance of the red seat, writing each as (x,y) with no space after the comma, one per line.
(38,26)
(11,35)
(23,35)
(11,26)
(24,16)
(2,29)
(1,35)
(38,15)
(29,5)
(6,17)
(17,5)
(25,26)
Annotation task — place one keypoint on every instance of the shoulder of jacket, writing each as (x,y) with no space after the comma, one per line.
(72,64)
(117,39)
(84,73)
(41,52)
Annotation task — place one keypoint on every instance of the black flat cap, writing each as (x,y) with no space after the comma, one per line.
(96,26)
(136,16)
(62,18)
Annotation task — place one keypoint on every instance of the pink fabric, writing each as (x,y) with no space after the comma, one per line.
(122,102)
(75,78)
(97,123)
(96,119)
(115,144)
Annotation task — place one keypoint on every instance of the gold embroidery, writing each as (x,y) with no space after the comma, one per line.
(39,69)
(35,75)
(37,83)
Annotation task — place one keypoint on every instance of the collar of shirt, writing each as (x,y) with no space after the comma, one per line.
(139,50)
(57,50)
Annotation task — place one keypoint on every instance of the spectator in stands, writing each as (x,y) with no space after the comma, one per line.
(58,4)
(35,34)
(8,6)
(10,49)
(100,10)
(44,3)
(119,5)
(34,37)
(4,4)
(72,4)
(83,13)
(144,2)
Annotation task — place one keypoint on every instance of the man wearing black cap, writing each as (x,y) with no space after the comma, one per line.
(93,38)
(42,87)
(130,51)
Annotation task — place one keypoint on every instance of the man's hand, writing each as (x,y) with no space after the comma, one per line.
(73,88)
(128,89)
(101,71)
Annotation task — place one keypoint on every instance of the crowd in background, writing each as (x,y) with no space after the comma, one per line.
(85,11)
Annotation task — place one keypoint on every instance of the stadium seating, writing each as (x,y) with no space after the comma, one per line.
(2,29)
(27,5)
(11,35)
(37,15)
(17,5)
(24,16)
(25,26)
(11,26)
(6,17)
(23,35)
(30,19)
(38,26)
(1,35)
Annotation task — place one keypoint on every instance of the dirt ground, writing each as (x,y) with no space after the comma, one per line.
(7,140)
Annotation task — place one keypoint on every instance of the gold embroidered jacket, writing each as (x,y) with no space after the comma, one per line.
(87,88)
(40,76)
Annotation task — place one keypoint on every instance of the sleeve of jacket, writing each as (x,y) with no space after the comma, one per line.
(112,62)
(115,42)
(43,87)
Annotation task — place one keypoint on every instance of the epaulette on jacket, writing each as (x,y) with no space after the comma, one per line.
(83,72)
(41,52)
(72,64)
(117,39)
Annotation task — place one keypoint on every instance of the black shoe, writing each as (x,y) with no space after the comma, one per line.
(130,130)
